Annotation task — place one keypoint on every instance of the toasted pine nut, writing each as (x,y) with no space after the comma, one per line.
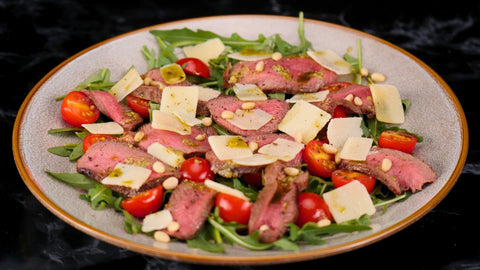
(170,183)
(260,66)
(227,115)
(207,121)
(264,227)
(330,149)
(357,101)
(248,105)
(349,97)
(173,226)
(200,137)
(147,81)
(276,56)
(386,164)
(378,77)
(364,71)
(291,171)
(338,159)
(253,146)
(161,236)
(323,222)
(138,136)
(158,167)
(299,136)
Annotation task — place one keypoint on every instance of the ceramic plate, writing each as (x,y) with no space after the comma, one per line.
(435,113)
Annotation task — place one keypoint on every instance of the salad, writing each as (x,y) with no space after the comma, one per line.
(258,143)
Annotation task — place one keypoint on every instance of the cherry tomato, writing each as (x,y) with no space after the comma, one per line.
(339,112)
(139,105)
(254,179)
(93,138)
(233,209)
(194,66)
(196,169)
(77,109)
(144,203)
(335,86)
(398,140)
(311,208)
(342,177)
(319,162)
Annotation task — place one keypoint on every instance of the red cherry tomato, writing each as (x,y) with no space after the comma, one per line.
(144,203)
(339,112)
(335,86)
(194,66)
(233,209)
(254,179)
(77,109)
(398,140)
(139,105)
(319,162)
(311,208)
(196,169)
(342,177)
(93,138)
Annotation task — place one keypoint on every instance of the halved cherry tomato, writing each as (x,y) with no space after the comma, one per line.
(339,112)
(144,203)
(196,169)
(342,177)
(77,109)
(194,66)
(93,138)
(254,179)
(319,162)
(398,140)
(311,208)
(139,105)
(233,209)
(335,86)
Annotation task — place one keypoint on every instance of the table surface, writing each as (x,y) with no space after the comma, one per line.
(36,36)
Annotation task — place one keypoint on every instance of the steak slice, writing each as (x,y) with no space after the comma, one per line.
(102,157)
(276,204)
(407,172)
(291,75)
(337,98)
(117,111)
(190,204)
(276,107)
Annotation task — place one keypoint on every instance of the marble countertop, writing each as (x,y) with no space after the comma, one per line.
(36,36)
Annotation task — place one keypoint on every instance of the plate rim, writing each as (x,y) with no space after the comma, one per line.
(28,177)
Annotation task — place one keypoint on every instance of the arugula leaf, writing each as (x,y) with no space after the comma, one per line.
(204,241)
(77,180)
(98,81)
(131,224)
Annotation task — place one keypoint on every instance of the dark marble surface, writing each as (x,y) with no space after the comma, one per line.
(36,36)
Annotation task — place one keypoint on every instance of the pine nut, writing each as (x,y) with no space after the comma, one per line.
(338,159)
(248,105)
(291,171)
(138,136)
(158,167)
(364,71)
(386,164)
(329,149)
(147,81)
(200,137)
(349,97)
(264,227)
(357,101)
(276,56)
(161,236)
(253,146)
(158,84)
(378,77)
(173,226)
(207,121)
(170,183)
(260,66)
(227,115)
(323,222)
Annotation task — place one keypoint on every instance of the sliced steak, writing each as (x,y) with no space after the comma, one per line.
(338,98)
(407,172)
(117,111)
(277,108)
(276,204)
(289,75)
(102,157)
(190,204)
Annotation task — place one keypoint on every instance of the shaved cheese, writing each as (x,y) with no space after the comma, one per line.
(227,147)
(309,97)
(104,128)
(304,118)
(225,189)
(330,60)
(127,175)
(340,129)
(356,148)
(255,160)
(388,104)
(205,93)
(166,154)
(349,201)
(250,55)
(250,119)
(283,149)
(249,92)
(182,99)
(130,81)
(157,221)
(187,118)
(166,121)
(205,51)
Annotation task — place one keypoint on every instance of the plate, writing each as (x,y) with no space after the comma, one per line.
(435,113)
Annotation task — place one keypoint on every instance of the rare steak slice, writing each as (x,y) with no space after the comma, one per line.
(117,111)
(190,204)
(276,107)
(406,173)
(102,157)
(291,75)
(276,204)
